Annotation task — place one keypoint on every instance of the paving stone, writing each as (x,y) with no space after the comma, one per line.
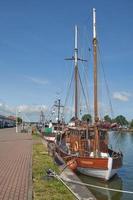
(15,165)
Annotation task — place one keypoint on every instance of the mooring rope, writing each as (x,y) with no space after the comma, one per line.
(53,174)
(63,180)
(60,179)
(100,187)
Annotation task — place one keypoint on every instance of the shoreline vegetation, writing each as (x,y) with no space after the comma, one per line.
(45,188)
(127,130)
(121,124)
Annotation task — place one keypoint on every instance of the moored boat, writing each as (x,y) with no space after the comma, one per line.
(84,146)
(52,129)
(78,145)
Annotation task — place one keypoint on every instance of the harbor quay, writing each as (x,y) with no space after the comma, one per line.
(15,165)
(16,170)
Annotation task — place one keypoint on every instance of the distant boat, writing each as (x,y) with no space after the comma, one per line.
(51,130)
(82,146)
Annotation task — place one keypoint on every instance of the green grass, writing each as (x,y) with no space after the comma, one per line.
(44,189)
(36,137)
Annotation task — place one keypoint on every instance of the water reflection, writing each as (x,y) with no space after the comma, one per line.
(100,194)
(117,140)
(131,137)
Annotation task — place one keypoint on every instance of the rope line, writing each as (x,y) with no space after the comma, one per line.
(63,180)
(68,91)
(116,136)
(60,179)
(100,187)
(51,173)
(87,106)
(106,82)
(87,88)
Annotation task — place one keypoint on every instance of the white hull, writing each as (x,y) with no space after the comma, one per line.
(100,173)
(103,174)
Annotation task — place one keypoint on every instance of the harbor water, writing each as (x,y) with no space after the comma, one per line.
(124,179)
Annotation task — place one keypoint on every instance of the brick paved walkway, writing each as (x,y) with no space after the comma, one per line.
(15,165)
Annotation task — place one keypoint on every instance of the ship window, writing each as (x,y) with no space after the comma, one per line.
(91,135)
(83,134)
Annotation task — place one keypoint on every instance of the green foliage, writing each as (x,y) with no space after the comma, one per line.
(131,124)
(87,117)
(107,118)
(19,120)
(121,120)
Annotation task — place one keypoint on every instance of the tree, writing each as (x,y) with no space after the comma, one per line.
(107,118)
(19,120)
(131,124)
(121,120)
(87,117)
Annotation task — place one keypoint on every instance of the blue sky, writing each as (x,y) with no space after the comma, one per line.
(36,36)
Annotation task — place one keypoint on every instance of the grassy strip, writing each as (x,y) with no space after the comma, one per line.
(43,189)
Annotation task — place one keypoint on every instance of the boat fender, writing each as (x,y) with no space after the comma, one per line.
(72,164)
(76,146)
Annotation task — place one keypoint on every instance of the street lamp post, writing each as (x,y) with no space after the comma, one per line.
(16,121)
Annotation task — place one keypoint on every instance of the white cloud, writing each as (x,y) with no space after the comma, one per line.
(37,80)
(29,110)
(5,109)
(121,96)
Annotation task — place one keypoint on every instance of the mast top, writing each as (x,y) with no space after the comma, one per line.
(94,23)
(76,37)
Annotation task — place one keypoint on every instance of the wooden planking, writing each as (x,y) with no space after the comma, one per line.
(95,163)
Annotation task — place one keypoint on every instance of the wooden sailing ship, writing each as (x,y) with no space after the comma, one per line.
(82,146)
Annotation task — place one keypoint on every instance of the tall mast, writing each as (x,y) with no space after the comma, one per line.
(42,118)
(59,110)
(96,141)
(95,67)
(76,71)
(59,106)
